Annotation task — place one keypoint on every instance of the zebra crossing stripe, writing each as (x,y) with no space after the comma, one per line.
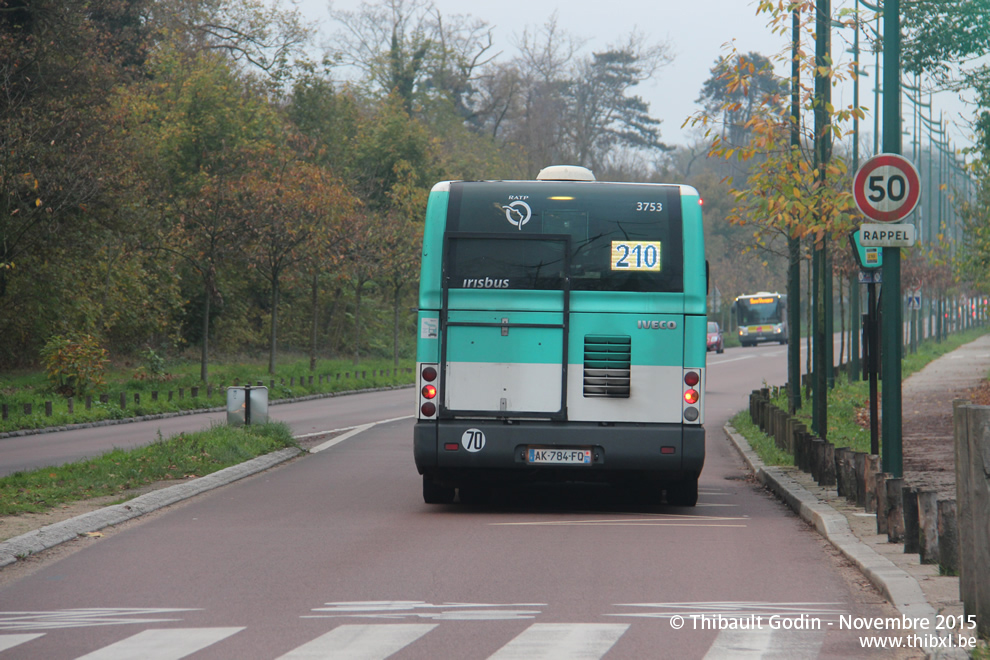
(766,644)
(10,641)
(360,642)
(562,641)
(162,644)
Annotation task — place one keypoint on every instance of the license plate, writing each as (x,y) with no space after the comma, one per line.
(560,456)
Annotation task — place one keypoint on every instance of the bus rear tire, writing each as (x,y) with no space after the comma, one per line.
(434,493)
(683,493)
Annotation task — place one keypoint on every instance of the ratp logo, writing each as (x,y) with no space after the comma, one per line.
(518,213)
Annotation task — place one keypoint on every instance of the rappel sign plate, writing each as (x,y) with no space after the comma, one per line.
(887,188)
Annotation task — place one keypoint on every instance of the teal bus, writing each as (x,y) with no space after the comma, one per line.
(561,336)
(761,317)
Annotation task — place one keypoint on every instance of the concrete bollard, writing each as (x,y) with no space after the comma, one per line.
(948,538)
(928,526)
(894,509)
(880,489)
(909,509)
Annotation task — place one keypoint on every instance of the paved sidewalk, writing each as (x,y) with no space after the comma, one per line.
(916,590)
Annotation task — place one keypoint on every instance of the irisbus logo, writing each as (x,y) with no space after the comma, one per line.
(657,325)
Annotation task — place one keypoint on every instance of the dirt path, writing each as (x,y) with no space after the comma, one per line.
(926,403)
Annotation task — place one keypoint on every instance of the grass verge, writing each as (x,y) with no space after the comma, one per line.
(183,456)
(173,391)
(846,403)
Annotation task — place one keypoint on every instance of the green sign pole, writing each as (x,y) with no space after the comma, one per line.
(892,319)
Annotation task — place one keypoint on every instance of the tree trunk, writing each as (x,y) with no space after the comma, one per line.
(842,321)
(207,299)
(357,320)
(273,335)
(395,324)
(315,321)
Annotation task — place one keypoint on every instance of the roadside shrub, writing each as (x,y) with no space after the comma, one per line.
(74,364)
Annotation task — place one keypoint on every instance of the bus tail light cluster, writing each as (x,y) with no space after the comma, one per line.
(692,395)
(428,391)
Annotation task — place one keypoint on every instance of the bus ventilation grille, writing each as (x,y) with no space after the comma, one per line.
(607,361)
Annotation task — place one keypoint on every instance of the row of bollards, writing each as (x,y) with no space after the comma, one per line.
(951,532)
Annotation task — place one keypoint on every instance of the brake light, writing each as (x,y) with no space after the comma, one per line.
(691,396)
(429,391)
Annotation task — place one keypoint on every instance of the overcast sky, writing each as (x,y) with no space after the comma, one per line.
(697,32)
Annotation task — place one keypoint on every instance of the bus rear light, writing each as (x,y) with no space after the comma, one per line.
(691,414)
(668,450)
(429,391)
(429,374)
(691,379)
(428,409)
(451,446)
(691,396)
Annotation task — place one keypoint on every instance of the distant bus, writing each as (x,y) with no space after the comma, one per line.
(761,317)
(562,336)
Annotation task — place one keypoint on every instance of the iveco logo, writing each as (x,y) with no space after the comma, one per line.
(657,325)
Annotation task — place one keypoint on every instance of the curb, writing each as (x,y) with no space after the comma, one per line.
(898,587)
(51,535)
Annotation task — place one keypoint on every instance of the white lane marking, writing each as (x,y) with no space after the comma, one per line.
(361,642)
(10,641)
(732,610)
(711,363)
(740,645)
(351,431)
(661,520)
(162,644)
(81,617)
(765,643)
(562,641)
(418,609)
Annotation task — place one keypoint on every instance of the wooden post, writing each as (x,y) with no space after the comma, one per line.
(817,458)
(137,398)
(195,392)
(928,526)
(859,470)
(104,398)
(48,408)
(912,523)
(869,483)
(154,395)
(89,402)
(828,465)
(27,408)
(182,392)
(4,411)
(123,400)
(960,433)
(840,473)
(880,488)
(975,554)
(895,512)
(948,538)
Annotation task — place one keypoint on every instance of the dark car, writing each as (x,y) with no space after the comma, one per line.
(715,342)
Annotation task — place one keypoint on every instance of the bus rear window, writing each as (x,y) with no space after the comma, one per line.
(616,237)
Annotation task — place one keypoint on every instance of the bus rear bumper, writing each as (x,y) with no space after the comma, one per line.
(664,451)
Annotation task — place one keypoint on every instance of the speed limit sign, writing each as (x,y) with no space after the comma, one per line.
(887,188)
